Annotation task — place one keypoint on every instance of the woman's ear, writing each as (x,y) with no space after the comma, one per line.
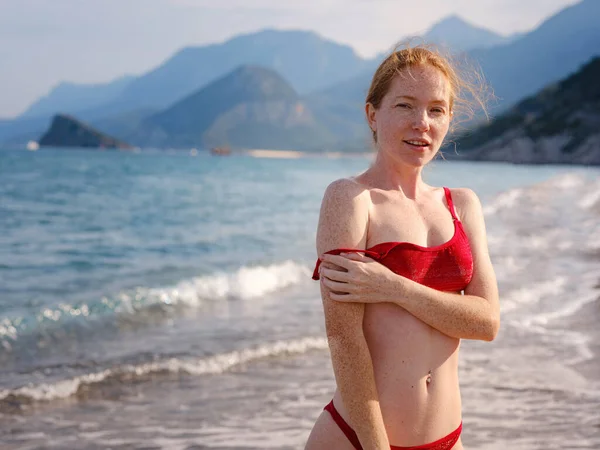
(371,118)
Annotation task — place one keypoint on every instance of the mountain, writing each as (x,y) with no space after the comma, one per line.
(306,60)
(342,104)
(558,47)
(341,110)
(124,124)
(73,98)
(66,131)
(331,81)
(251,107)
(518,68)
(459,35)
(561,124)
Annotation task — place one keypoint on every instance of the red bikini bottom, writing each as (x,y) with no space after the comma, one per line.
(445,443)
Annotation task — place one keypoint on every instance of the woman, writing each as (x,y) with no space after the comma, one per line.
(405,272)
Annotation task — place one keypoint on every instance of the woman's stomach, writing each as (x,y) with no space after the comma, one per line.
(416,374)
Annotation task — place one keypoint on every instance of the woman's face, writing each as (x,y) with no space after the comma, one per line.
(414,116)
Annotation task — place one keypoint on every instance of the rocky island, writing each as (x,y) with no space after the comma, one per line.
(66,131)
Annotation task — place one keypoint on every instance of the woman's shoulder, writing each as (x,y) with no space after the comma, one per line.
(463,195)
(344,216)
(346,191)
(466,202)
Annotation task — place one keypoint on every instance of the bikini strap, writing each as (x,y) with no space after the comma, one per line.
(450,203)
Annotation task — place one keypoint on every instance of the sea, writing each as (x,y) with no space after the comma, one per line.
(156,300)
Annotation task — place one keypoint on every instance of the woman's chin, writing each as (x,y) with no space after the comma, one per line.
(411,157)
(418,159)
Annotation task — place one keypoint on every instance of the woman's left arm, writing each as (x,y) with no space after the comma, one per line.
(474,315)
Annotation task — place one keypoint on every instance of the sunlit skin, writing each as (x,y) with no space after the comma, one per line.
(388,333)
(417,107)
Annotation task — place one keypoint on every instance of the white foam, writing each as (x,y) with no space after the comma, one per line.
(590,199)
(531,294)
(504,200)
(581,292)
(7,328)
(566,181)
(245,283)
(202,366)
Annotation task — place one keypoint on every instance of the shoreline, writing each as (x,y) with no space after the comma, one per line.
(295,154)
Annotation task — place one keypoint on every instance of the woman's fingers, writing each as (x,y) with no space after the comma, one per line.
(355,256)
(335,285)
(340,261)
(335,275)
(329,265)
(339,297)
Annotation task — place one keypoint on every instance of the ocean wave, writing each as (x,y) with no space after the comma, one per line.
(504,200)
(541,238)
(544,242)
(246,283)
(568,189)
(550,219)
(532,293)
(212,365)
(251,282)
(591,200)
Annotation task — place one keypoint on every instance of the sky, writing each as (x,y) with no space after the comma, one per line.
(44,42)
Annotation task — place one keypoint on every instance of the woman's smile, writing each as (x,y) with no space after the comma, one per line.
(419,145)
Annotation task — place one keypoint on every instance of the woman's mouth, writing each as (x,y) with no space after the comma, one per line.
(417,144)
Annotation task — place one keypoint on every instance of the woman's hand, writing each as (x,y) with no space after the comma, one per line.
(354,277)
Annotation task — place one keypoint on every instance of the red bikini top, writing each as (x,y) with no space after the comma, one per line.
(445,267)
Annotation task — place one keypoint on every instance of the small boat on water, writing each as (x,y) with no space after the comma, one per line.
(220,151)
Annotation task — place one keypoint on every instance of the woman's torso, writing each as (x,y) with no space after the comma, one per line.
(406,351)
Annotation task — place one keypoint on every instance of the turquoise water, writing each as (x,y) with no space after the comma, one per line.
(122,270)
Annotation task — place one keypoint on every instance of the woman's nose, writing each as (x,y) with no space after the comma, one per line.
(421,121)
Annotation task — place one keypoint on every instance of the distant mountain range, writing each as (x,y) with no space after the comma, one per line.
(308,61)
(77,97)
(514,69)
(249,107)
(220,94)
(560,124)
(557,48)
(459,35)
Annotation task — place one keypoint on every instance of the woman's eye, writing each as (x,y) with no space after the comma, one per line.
(403,105)
(437,110)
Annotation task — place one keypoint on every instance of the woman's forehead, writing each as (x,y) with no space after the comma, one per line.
(423,81)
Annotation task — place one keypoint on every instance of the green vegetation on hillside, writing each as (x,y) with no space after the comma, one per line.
(570,107)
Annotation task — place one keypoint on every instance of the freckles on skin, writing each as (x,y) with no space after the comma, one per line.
(417,106)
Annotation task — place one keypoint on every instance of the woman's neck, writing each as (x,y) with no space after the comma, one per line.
(393,175)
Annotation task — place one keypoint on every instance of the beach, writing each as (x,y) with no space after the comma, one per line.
(165,302)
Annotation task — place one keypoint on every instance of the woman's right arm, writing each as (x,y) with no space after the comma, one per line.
(343,224)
